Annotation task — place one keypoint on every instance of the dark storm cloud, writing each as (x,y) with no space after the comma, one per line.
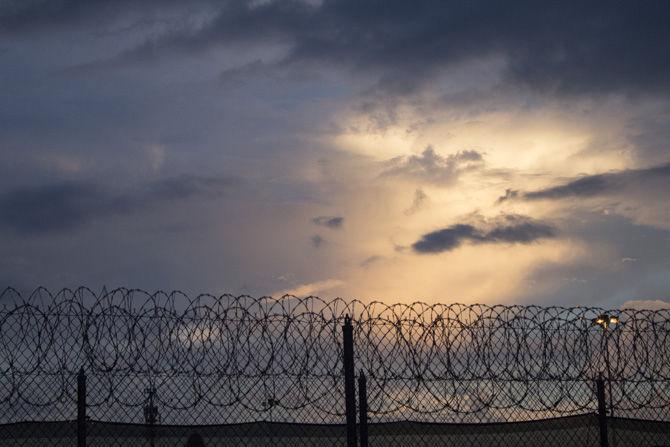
(27,15)
(68,205)
(433,168)
(17,14)
(598,185)
(55,207)
(509,229)
(589,46)
(333,222)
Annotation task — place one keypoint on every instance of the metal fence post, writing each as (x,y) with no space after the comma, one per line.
(363,408)
(81,408)
(602,411)
(349,383)
(151,415)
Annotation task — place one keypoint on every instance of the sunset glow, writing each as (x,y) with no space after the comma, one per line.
(338,149)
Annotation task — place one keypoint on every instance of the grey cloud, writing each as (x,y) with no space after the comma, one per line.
(507,229)
(446,239)
(509,195)
(317,241)
(608,46)
(519,232)
(55,207)
(27,15)
(599,277)
(333,222)
(367,262)
(650,133)
(68,205)
(15,14)
(583,187)
(419,201)
(433,168)
(598,185)
(646,304)
(238,75)
(186,186)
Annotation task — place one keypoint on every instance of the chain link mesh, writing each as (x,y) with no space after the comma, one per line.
(166,370)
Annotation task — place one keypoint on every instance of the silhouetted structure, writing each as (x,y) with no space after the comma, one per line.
(281,372)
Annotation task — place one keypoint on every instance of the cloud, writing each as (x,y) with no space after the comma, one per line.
(431,167)
(68,205)
(332,222)
(419,201)
(446,239)
(587,186)
(156,154)
(509,195)
(367,262)
(509,229)
(187,186)
(311,288)
(593,271)
(608,47)
(597,185)
(217,91)
(317,241)
(20,16)
(56,207)
(646,305)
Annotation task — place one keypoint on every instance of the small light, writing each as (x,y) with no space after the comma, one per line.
(602,320)
(605,320)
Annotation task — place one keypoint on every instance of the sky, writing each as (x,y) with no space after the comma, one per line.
(441,151)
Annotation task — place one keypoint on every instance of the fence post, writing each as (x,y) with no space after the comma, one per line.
(151,415)
(363,408)
(349,384)
(602,411)
(81,408)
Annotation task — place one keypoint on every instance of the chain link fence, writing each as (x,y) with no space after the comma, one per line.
(513,375)
(126,367)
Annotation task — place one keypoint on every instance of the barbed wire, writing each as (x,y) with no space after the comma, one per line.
(264,353)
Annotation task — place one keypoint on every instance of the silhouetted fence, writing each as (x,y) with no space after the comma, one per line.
(130,368)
